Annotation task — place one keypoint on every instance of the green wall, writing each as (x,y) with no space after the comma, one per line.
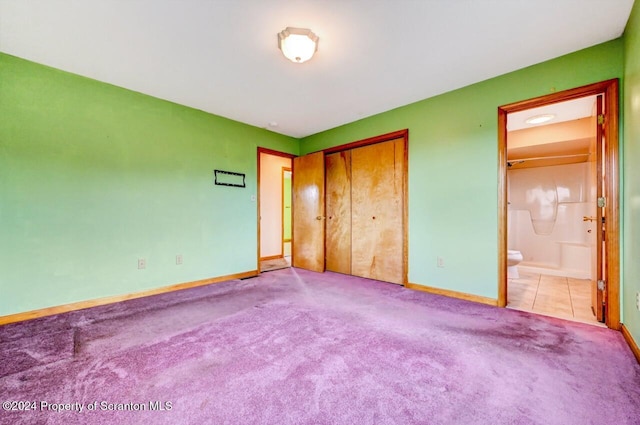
(93,177)
(631,172)
(453,164)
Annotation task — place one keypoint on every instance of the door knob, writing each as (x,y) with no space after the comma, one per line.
(585,218)
(320,217)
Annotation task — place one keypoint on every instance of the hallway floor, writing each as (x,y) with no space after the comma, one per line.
(555,296)
(275,264)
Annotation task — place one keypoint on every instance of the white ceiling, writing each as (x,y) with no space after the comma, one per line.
(221,56)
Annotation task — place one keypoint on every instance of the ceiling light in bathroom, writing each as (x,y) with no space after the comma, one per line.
(540,119)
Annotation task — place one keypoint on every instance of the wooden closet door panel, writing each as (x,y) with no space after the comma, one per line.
(377,197)
(338,212)
(308,212)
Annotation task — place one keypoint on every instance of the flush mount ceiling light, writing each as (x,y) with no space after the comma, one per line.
(297,44)
(540,119)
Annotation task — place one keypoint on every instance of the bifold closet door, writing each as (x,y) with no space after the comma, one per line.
(377,211)
(338,212)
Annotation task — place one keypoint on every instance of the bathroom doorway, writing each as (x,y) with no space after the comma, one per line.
(551,209)
(559,230)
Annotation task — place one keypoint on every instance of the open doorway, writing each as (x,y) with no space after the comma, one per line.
(552,190)
(287,175)
(274,209)
(559,215)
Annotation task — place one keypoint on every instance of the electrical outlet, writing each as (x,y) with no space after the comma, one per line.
(178,259)
(142,263)
(638,300)
(440,262)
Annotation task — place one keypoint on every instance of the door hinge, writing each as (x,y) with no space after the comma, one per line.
(601,119)
(601,285)
(602,202)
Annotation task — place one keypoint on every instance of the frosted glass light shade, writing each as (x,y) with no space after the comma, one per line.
(540,119)
(297,44)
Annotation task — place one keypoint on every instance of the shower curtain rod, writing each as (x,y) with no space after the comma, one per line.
(520,160)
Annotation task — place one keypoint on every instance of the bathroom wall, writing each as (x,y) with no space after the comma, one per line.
(546,210)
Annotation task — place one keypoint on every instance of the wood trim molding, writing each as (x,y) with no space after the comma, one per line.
(272,257)
(561,96)
(610,89)
(50,311)
(370,141)
(405,207)
(268,152)
(612,209)
(502,207)
(284,171)
(632,343)
(276,153)
(452,294)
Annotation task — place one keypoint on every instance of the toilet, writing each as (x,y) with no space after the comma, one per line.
(513,259)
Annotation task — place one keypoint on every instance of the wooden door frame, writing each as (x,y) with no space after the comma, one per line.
(285,170)
(610,89)
(404,134)
(274,153)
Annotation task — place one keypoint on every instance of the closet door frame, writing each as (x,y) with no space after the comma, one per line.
(404,134)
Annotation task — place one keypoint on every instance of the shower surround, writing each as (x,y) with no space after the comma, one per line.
(547,206)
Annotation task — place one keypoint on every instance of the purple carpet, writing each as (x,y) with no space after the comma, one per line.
(296,347)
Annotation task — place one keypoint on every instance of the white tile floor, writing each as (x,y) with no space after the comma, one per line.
(562,297)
